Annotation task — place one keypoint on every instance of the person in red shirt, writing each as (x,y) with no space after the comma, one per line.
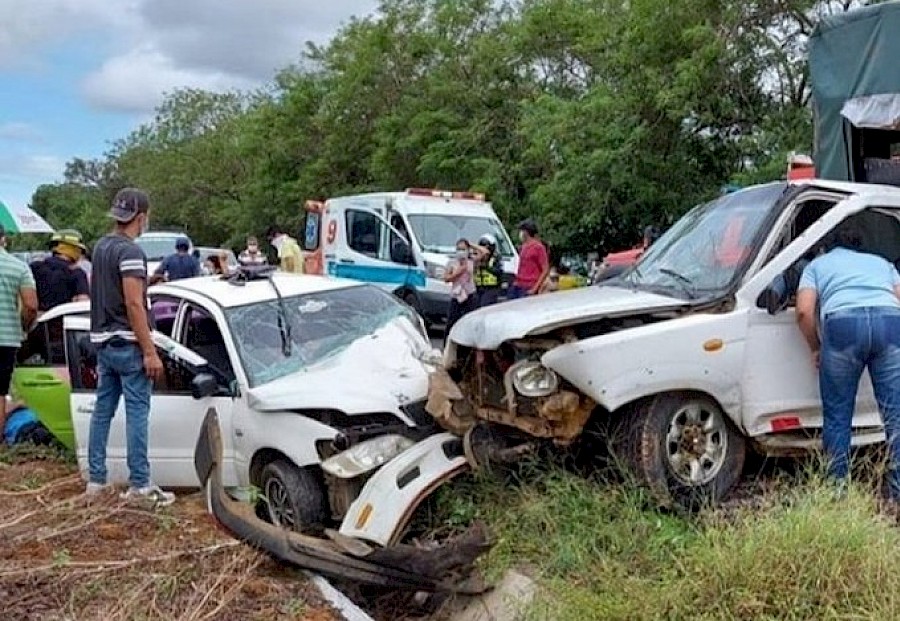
(534,262)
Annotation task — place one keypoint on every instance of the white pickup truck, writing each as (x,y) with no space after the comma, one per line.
(685,361)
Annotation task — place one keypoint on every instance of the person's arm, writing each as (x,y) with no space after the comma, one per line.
(29,300)
(160,274)
(806,318)
(453,272)
(133,271)
(82,288)
(544,261)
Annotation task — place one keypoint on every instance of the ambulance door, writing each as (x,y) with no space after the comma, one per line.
(367,248)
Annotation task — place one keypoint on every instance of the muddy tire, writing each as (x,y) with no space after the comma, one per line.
(294,498)
(684,449)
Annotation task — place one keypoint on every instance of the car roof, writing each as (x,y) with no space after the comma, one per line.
(848,186)
(228,295)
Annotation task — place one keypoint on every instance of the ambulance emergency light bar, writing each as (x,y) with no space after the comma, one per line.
(471,196)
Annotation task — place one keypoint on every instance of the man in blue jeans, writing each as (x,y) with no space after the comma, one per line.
(126,357)
(858,327)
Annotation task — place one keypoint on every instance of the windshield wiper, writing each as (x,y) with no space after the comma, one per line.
(246,274)
(687,283)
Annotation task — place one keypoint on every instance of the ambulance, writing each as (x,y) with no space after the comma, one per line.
(401,241)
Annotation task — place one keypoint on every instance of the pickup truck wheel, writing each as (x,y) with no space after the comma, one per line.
(294,497)
(685,450)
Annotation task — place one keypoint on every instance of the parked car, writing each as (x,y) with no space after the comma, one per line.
(688,360)
(317,383)
(230,260)
(157,245)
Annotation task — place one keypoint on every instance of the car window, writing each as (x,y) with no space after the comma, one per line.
(804,215)
(202,335)
(163,309)
(364,232)
(44,345)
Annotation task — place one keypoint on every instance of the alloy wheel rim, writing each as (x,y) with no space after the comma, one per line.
(696,443)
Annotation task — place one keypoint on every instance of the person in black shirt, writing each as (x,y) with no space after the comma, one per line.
(58,278)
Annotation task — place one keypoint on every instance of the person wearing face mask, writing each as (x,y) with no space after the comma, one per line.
(251,254)
(127,361)
(460,275)
(534,262)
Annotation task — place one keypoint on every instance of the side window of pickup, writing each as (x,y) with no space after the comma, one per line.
(805,214)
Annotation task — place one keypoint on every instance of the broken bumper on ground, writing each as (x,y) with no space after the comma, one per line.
(446,568)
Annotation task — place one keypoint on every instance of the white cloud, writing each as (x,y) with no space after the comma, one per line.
(33,166)
(136,81)
(209,44)
(19,132)
(28,24)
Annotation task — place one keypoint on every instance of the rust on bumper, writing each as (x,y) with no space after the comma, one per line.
(559,417)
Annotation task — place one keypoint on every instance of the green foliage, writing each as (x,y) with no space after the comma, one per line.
(596,117)
(602,552)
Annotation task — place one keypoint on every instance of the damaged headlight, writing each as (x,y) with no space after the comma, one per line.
(366,456)
(532,379)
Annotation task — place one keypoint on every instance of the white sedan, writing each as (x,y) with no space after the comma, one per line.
(317,382)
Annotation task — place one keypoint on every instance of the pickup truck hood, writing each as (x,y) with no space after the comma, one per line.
(379,372)
(488,328)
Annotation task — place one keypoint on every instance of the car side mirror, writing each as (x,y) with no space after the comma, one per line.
(204,385)
(777,296)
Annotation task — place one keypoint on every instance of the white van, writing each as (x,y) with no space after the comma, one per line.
(401,241)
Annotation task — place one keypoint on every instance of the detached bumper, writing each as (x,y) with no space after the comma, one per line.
(445,568)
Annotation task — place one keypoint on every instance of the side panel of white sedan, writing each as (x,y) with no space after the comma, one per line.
(175,416)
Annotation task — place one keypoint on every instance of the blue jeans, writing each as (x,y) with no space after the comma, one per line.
(853,340)
(121,372)
(515,292)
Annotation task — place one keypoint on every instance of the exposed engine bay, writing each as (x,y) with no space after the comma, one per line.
(510,386)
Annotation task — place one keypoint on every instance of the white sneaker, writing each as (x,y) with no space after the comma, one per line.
(150,494)
(95,489)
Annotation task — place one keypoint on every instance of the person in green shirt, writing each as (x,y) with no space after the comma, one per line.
(18,310)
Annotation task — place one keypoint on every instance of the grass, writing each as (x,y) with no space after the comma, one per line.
(602,551)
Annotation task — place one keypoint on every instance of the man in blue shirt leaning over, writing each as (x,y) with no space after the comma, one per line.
(177,266)
(857,326)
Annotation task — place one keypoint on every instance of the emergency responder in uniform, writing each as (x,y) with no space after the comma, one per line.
(488,270)
(58,278)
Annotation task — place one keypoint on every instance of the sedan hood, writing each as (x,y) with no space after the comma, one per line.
(488,327)
(380,372)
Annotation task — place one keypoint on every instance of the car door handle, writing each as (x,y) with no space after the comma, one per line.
(85,409)
(351,261)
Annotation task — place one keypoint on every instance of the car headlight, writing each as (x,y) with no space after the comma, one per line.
(366,456)
(532,379)
(435,270)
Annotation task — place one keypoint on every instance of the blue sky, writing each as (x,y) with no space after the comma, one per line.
(76,75)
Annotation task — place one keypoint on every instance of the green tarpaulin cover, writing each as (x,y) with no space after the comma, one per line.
(854,61)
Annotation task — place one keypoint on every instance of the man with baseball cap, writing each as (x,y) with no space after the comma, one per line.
(177,266)
(126,357)
(58,278)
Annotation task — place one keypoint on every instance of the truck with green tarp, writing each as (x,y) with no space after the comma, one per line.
(853,64)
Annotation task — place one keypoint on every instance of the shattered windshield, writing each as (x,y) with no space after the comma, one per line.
(440,232)
(321,325)
(710,246)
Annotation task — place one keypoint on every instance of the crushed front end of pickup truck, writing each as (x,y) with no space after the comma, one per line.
(448,567)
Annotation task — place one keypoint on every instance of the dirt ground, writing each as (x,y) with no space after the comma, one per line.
(63,557)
